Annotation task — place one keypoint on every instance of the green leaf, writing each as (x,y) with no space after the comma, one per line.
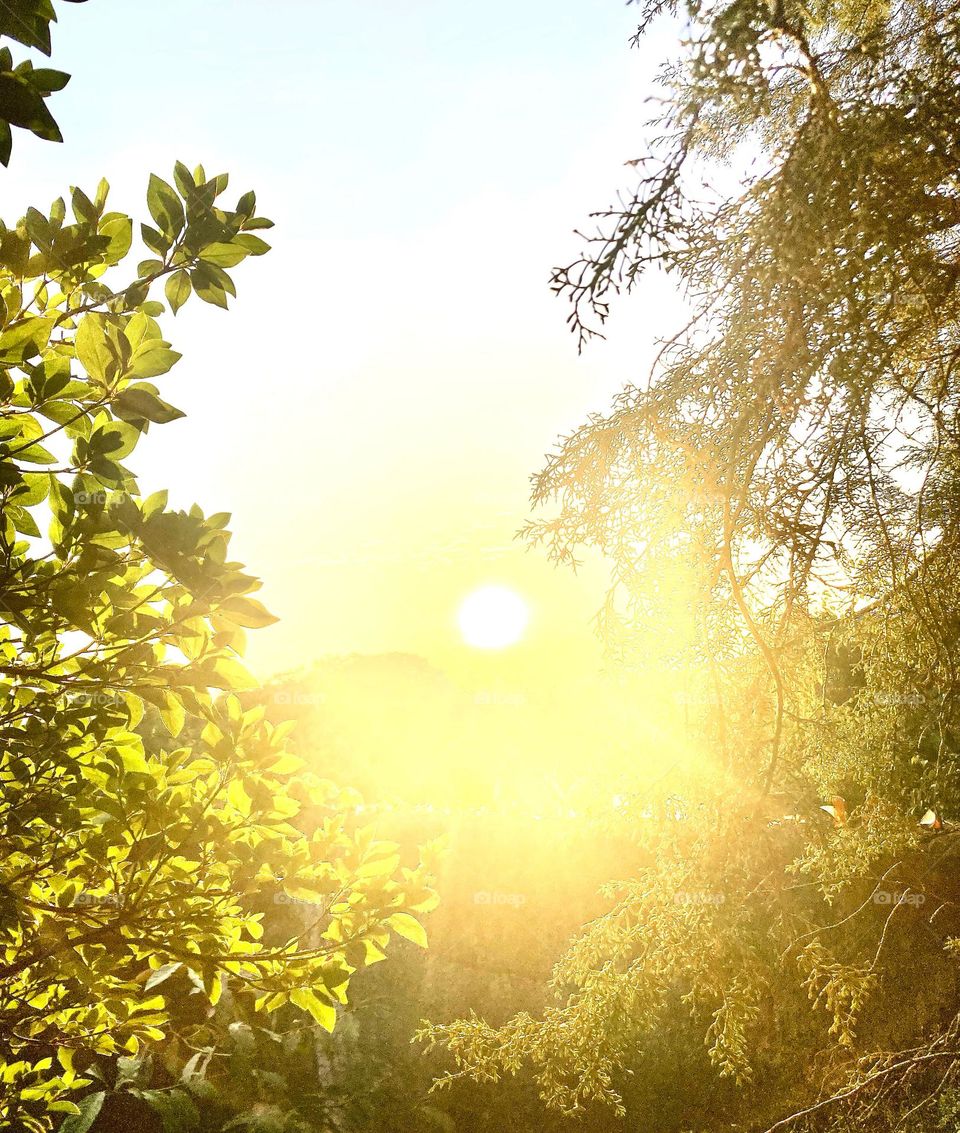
(213,986)
(253,244)
(238,798)
(115,440)
(223,255)
(383,867)
(22,105)
(142,330)
(154,503)
(161,974)
(207,281)
(27,23)
(183,179)
(172,713)
(409,927)
(34,489)
(177,290)
(155,240)
(25,339)
(23,521)
(35,454)
(231,675)
(93,349)
(153,359)
(90,1107)
(323,1013)
(246,612)
(177,1111)
(138,402)
(136,293)
(134,762)
(62,1105)
(165,207)
(83,208)
(47,80)
(119,234)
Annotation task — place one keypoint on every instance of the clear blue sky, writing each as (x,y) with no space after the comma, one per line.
(371,407)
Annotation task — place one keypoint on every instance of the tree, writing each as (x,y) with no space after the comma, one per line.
(516,873)
(125,868)
(779,503)
(23,87)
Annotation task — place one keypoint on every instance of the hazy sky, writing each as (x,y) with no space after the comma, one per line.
(372,405)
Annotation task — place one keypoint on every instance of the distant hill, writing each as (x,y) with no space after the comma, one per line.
(398,728)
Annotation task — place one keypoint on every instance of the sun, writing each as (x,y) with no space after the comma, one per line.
(492,617)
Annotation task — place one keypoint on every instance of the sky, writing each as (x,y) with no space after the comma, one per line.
(390,375)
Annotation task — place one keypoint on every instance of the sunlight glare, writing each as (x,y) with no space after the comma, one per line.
(492,617)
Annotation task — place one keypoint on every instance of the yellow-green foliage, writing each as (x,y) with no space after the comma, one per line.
(121,864)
